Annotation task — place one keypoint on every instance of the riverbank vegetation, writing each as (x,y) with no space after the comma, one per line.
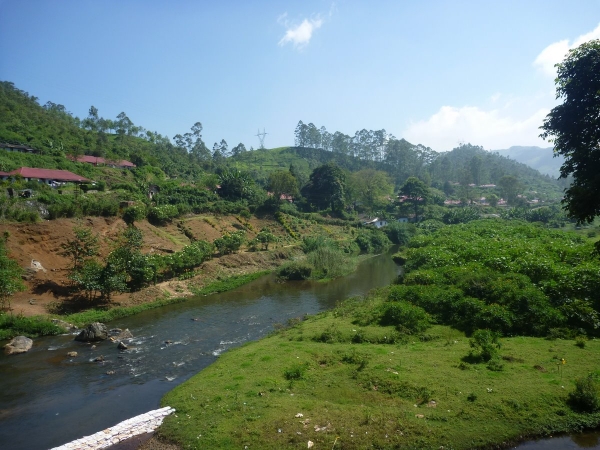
(491,336)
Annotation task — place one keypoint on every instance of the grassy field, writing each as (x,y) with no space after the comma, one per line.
(342,386)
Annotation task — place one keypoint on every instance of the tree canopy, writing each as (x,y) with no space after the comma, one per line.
(574,128)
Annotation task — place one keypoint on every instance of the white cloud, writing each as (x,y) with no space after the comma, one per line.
(557,51)
(492,129)
(299,34)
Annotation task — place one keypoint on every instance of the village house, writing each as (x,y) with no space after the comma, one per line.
(48,176)
(376,222)
(17,148)
(98,160)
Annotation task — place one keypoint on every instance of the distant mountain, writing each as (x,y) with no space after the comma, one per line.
(541,159)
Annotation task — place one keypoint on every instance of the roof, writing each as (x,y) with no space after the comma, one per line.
(100,160)
(48,174)
(17,146)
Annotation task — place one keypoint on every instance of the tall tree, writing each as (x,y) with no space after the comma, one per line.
(574,129)
(415,193)
(326,187)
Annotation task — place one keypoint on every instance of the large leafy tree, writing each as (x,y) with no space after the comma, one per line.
(574,128)
(369,186)
(326,187)
(415,193)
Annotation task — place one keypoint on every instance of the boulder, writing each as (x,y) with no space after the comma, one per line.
(93,332)
(122,346)
(19,344)
(72,354)
(125,334)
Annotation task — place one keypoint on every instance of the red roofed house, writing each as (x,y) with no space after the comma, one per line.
(45,175)
(96,160)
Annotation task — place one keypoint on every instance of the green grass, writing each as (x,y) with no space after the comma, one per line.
(369,394)
(228,284)
(11,326)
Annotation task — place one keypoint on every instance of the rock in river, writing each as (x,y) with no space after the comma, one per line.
(93,332)
(20,344)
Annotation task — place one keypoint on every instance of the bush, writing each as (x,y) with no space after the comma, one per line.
(399,233)
(585,396)
(485,345)
(405,317)
(230,242)
(159,215)
(295,270)
(330,262)
(134,214)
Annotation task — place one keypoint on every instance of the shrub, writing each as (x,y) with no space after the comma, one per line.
(230,242)
(295,270)
(485,345)
(296,372)
(399,233)
(405,317)
(585,396)
(159,215)
(134,214)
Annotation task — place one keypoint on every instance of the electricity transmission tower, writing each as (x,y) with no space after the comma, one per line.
(261,138)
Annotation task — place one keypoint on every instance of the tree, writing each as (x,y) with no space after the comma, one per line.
(326,187)
(84,246)
(282,182)
(416,194)
(240,148)
(369,186)
(574,129)
(10,276)
(510,186)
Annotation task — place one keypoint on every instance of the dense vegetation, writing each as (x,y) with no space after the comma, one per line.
(447,358)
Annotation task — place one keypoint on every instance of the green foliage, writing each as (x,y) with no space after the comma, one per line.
(265,237)
(399,233)
(160,215)
(326,188)
(295,270)
(573,128)
(485,345)
(460,215)
(585,397)
(11,326)
(134,213)
(10,276)
(329,262)
(372,241)
(83,247)
(508,277)
(230,242)
(405,316)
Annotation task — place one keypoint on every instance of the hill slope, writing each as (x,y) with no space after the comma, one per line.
(541,159)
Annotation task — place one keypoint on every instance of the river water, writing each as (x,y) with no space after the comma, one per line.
(48,399)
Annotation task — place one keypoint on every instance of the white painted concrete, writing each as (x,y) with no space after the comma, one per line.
(144,423)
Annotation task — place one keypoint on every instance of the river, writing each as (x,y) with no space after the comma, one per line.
(48,398)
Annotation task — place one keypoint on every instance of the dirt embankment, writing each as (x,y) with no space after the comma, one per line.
(38,249)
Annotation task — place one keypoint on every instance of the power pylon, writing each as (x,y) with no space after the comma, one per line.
(261,138)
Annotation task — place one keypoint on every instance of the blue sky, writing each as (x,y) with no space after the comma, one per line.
(434,72)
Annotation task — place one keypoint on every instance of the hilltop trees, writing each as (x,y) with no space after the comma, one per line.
(574,128)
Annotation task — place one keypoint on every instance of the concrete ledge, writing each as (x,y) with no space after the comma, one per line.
(144,423)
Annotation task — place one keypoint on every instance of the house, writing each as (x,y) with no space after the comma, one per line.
(403,220)
(48,176)
(98,160)
(375,222)
(17,148)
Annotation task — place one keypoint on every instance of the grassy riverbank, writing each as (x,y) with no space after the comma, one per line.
(15,325)
(371,386)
